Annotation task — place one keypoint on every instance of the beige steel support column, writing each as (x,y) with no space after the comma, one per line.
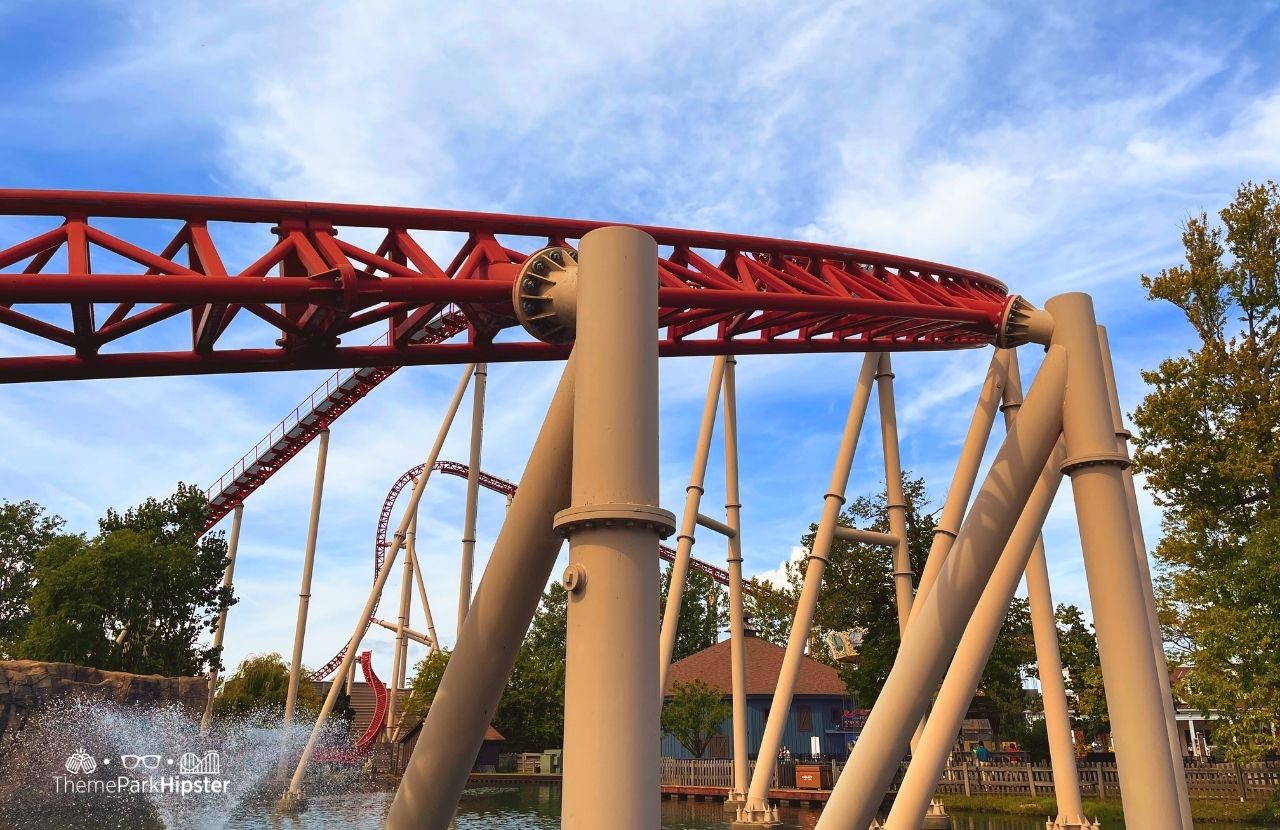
(934,630)
(294,794)
(684,540)
(757,810)
(519,567)
(737,635)
(1144,572)
(929,757)
(613,527)
(1134,693)
(422,597)
(220,631)
(401,655)
(895,501)
(1053,690)
(304,592)
(473,493)
(966,472)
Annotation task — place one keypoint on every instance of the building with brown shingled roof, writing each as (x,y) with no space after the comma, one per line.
(820,708)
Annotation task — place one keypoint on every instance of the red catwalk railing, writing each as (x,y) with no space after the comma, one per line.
(502,487)
(315,413)
(94,290)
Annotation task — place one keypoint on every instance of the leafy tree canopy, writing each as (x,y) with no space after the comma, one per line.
(1209,443)
(693,714)
(426,681)
(531,713)
(260,685)
(148,574)
(704,612)
(24,531)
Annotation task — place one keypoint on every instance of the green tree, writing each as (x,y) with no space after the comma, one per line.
(771,609)
(426,681)
(1079,649)
(693,715)
(259,686)
(1209,443)
(24,531)
(531,713)
(1012,657)
(704,611)
(858,590)
(148,574)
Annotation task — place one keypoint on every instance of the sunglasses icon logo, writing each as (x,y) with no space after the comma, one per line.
(146,761)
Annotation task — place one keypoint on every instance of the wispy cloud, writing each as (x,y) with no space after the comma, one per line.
(1058,151)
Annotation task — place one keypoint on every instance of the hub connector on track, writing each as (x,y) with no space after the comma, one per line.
(545,294)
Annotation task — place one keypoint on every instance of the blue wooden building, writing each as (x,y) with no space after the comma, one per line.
(821,707)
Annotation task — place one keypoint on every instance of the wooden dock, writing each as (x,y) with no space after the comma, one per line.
(680,792)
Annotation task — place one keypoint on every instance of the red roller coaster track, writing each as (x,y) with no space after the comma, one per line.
(345,755)
(157,260)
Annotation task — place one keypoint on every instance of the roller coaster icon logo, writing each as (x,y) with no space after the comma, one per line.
(192,764)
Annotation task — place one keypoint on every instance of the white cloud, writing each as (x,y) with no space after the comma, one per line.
(950,130)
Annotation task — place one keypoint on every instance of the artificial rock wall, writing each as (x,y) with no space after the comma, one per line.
(28,685)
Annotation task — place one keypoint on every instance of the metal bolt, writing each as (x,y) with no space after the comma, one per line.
(529,284)
(540,267)
(574,578)
(557,257)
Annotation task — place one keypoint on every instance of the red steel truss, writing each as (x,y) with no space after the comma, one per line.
(307,281)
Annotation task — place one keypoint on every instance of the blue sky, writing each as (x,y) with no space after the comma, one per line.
(1057,149)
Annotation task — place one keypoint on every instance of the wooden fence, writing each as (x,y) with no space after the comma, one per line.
(684,772)
(1246,782)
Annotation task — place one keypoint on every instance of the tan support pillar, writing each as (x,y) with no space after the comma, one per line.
(613,527)
(473,493)
(757,810)
(934,630)
(519,567)
(966,472)
(1144,573)
(304,592)
(1134,693)
(895,501)
(293,795)
(1053,691)
(401,655)
(929,758)
(737,642)
(220,631)
(422,597)
(684,541)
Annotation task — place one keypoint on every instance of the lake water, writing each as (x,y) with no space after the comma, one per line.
(538,808)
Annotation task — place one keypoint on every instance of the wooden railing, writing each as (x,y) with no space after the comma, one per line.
(1246,782)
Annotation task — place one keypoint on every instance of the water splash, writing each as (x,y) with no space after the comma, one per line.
(95,764)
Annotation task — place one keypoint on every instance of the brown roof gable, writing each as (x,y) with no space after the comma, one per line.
(764,664)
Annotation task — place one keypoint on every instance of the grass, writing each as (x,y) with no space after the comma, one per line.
(1105,811)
